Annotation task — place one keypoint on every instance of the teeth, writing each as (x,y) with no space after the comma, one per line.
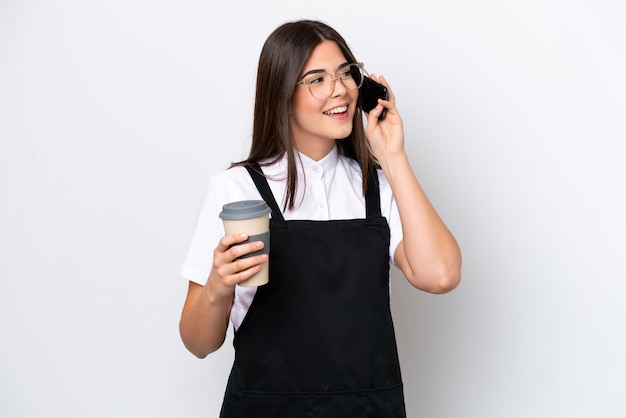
(337,110)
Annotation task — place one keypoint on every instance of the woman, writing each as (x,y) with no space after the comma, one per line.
(317,340)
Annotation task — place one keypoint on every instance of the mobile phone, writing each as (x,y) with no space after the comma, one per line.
(369,93)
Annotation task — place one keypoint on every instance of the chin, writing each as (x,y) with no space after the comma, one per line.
(344,133)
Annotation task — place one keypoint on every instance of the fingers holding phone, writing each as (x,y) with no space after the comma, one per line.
(386,136)
(369,93)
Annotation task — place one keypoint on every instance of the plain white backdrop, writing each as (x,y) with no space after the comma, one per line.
(114,114)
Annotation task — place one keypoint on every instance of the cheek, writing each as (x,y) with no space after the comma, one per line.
(306,112)
(354,97)
(354,94)
(302,101)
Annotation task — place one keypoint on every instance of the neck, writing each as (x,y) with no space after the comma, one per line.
(317,151)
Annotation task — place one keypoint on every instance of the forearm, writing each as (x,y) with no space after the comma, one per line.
(428,255)
(204,321)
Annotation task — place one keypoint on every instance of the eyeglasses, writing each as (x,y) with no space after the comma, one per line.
(322,84)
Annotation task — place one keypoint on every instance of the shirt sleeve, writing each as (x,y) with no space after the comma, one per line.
(395,228)
(389,210)
(222,188)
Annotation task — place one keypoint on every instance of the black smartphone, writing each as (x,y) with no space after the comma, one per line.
(369,93)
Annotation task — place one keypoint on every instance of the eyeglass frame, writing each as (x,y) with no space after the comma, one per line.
(335,77)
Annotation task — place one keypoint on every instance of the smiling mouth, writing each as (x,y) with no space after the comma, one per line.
(336,110)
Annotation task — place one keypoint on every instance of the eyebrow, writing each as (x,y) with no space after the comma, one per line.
(319,70)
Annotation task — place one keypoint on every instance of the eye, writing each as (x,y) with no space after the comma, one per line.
(316,80)
(345,73)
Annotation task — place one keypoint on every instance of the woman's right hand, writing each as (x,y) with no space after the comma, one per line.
(228,269)
(206,312)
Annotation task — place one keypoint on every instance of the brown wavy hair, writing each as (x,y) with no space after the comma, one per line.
(281,63)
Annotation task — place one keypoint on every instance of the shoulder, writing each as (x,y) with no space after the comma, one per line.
(229,185)
(229,177)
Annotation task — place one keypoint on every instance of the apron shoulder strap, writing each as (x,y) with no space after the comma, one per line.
(372,195)
(254,169)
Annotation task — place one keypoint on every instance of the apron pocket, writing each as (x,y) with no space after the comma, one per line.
(370,403)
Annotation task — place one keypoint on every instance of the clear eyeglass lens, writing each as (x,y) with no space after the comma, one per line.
(321,85)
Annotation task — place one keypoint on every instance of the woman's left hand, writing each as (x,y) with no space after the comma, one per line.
(428,254)
(386,136)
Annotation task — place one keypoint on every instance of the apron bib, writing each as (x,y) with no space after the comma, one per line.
(318,339)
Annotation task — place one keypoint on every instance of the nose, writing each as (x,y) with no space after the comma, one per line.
(338,88)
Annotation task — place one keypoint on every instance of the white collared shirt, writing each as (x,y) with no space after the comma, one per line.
(327,189)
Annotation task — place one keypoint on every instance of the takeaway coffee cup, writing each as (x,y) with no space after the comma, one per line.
(251,217)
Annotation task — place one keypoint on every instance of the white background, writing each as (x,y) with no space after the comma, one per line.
(114,114)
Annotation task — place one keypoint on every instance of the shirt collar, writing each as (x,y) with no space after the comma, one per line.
(305,165)
(317,169)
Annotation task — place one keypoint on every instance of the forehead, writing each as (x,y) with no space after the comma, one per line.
(326,56)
